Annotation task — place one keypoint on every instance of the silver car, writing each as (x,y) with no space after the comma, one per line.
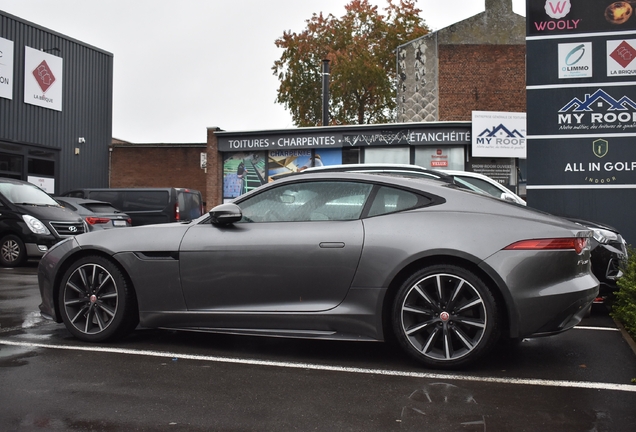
(352,256)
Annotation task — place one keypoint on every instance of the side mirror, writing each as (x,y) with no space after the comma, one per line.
(225,214)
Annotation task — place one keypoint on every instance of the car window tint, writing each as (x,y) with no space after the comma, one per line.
(145,200)
(391,200)
(309,201)
(189,205)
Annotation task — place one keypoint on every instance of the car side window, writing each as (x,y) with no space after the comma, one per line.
(391,200)
(484,185)
(309,201)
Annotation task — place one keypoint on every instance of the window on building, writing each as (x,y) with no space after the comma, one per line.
(11,166)
(400,155)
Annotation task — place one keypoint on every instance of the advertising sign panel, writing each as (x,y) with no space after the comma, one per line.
(499,134)
(6,68)
(575,60)
(43,79)
(592,110)
(334,137)
(567,17)
(587,161)
(581,106)
(620,57)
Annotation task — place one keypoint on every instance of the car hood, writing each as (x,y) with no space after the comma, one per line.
(49,213)
(146,238)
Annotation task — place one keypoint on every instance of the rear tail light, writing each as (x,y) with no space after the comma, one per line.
(576,243)
(129,220)
(176,212)
(96,220)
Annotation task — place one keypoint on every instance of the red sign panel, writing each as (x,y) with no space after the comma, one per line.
(439,163)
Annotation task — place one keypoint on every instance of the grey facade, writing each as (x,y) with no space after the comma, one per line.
(71,145)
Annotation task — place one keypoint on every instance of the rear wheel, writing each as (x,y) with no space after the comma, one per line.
(445,316)
(12,251)
(96,302)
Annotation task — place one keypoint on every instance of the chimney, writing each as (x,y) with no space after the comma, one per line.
(499,6)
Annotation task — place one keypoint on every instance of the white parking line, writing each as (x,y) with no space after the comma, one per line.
(437,376)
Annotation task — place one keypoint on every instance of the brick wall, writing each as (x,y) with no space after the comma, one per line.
(481,78)
(140,165)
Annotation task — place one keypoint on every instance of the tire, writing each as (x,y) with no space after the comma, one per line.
(12,251)
(445,317)
(96,302)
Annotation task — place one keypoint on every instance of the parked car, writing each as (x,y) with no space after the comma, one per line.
(609,255)
(608,248)
(31,222)
(393,169)
(98,215)
(147,206)
(351,256)
(487,184)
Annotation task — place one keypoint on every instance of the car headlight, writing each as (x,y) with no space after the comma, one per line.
(604,236)
(35,225)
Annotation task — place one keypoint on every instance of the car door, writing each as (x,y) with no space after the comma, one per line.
(296,249)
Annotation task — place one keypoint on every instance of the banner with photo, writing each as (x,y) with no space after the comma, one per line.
(283,162)
(242,172)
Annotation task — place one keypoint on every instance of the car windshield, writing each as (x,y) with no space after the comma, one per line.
(20,193)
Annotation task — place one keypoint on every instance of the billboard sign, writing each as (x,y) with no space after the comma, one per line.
(620,57)
(43,79)
(347,136)
(6,68)
(581,105)
(499,134)
(568,17)
(575,60)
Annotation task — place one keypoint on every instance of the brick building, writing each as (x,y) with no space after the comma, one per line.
(477,64)
(157,165)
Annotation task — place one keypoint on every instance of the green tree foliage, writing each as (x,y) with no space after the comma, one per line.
(624,308)
(361,47)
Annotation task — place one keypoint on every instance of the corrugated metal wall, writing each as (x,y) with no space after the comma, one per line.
(86,105)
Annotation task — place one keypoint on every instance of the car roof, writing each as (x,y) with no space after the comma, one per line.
(80,201)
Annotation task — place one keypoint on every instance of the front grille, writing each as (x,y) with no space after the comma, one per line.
(68,229)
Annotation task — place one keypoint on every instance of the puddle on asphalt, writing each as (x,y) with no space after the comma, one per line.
(14,356)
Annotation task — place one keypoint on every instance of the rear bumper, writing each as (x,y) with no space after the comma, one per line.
(549,291)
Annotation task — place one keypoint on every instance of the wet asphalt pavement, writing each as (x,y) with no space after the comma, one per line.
(158,380)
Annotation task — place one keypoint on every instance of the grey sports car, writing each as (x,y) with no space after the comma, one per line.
(354,256)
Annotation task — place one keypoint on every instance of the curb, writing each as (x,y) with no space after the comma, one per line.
(626,336)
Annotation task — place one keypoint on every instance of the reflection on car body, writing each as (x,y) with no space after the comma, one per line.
(350,256)
(608,248)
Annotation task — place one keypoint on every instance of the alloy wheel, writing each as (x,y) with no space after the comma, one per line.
(444,317)
(10,251)
(91,298)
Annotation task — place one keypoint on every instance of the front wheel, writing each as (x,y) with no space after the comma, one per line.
(12,251)
(445,316)
(96,302)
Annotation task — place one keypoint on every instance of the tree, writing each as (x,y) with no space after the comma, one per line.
(361,46)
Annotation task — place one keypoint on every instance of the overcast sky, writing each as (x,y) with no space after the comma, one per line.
(181,66)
